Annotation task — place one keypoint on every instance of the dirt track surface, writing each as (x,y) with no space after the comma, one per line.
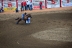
(20,36)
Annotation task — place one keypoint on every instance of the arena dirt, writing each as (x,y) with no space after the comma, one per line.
(32,35)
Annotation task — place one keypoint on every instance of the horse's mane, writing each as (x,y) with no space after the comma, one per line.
(29,15)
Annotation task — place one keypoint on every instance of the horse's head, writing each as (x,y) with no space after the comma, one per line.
(29,15)
(26,16)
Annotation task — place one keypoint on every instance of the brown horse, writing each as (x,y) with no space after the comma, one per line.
(25,18)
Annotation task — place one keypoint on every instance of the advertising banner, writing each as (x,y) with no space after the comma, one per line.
(36,4)
(65,4)
(53,4)
(9,5)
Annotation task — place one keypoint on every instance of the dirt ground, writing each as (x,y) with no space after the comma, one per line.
(20,36)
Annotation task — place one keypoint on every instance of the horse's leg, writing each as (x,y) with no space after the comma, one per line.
(17,18)
(25,21)
(18,21)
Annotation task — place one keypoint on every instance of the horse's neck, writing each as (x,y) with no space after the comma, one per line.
(28,15)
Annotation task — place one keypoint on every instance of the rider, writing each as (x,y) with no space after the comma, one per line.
(29,19)
(23,15)
(21,19)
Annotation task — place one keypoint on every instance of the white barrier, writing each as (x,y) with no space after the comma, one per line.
(68,4)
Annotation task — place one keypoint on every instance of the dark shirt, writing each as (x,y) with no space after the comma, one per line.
(21,3)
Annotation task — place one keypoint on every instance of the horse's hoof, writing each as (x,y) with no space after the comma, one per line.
(16,23)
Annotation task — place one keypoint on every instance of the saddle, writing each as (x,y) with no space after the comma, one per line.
(25,17)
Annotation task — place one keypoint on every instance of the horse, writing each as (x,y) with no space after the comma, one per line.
(25,18)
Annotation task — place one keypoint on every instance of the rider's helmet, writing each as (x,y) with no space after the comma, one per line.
(25,13)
